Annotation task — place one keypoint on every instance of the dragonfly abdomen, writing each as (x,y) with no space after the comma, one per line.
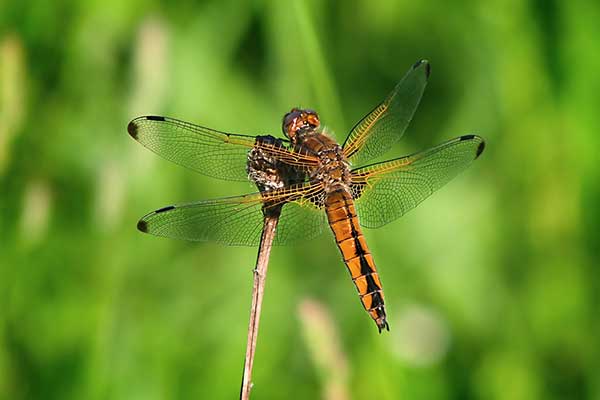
(357,257)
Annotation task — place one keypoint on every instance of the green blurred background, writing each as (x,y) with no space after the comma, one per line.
(492,284)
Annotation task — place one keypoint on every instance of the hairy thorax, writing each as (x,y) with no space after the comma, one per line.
(333,168)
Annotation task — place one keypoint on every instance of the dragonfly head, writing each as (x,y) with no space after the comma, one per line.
(299,121)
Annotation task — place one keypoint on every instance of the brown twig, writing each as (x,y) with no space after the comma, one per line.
(260,274)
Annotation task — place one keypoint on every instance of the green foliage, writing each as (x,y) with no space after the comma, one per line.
(491,284)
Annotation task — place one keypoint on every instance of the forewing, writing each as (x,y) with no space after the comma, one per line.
(238,221)
(204,150)
(388,190)
(381,128)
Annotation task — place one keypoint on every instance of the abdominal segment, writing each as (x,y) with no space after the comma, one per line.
(351,242)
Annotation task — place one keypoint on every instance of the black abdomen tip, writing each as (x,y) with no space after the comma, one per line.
(142,226)
(132,129)
(382,324)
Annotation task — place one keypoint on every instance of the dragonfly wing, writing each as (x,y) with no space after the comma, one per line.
(299,221)
(385,191)
(238,220)
(381,128)
(204,150)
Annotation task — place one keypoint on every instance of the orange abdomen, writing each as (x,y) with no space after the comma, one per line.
(357,257)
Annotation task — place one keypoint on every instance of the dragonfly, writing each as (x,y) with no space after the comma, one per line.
(317,182)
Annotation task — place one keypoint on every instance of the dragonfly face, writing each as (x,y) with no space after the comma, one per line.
(300,122)
(308,180)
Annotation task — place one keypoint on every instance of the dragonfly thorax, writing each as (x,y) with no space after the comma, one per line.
(332,169)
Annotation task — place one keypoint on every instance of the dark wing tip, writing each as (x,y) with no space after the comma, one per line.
(480,149)
(142,226)
(481,146)
(427,66)
(132,129)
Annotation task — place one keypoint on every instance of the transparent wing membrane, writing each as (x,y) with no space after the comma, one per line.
(207,151)
(239,220)
(385,125)
(388,190)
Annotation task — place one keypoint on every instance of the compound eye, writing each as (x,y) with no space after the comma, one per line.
(289,121)
(313,119)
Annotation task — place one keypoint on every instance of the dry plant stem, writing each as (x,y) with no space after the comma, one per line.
(260,273)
